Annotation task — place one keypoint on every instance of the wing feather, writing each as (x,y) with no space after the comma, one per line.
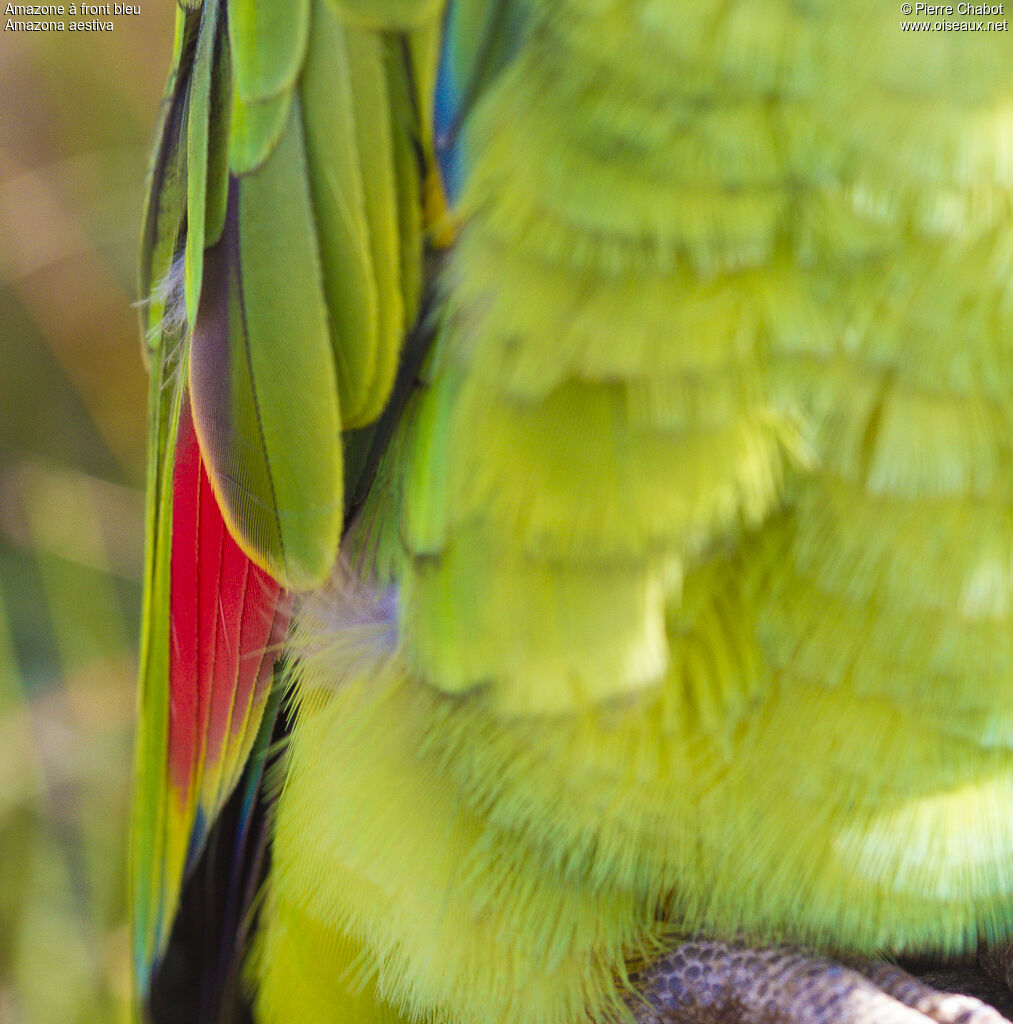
(282,257)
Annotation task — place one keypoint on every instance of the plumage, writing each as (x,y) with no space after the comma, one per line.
(678,601)
(278,249)
(226,621)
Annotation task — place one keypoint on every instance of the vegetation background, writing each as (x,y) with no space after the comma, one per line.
(77,115)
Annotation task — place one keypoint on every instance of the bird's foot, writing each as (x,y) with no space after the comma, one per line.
(711,982)
(997,962)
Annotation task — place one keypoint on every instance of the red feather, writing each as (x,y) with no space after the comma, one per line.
(228,618)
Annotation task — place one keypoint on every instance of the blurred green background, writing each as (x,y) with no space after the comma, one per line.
(77,112)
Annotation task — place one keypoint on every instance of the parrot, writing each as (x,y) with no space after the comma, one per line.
(579,566)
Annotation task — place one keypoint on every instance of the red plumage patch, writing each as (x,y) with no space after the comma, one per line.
(228,618)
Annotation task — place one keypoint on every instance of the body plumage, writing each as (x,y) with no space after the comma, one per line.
(681,598)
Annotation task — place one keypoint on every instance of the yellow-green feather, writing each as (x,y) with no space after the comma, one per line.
(337,174)
(151,824)
(268,46)
(256,129)
(687,577)
(248,195)
(322,262)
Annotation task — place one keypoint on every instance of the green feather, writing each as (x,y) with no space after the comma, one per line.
(262,373)
(698,518)
(274,211)
(696,515)
(389,15)
(219,130)
(268,46)
(337,176)
(165,198)
(199,96)
(256,129)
